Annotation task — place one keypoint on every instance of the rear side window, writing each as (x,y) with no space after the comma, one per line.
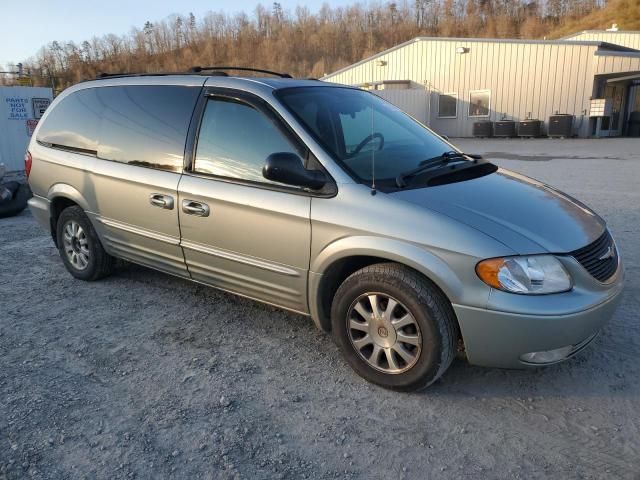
(74,123)
(146,125)
(235,140)
(139,124)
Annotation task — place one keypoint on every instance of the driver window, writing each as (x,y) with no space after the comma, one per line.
(235,139)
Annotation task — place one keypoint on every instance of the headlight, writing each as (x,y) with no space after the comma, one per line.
(532,275)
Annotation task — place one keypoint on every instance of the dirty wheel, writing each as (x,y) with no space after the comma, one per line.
(394,327)
(79,246)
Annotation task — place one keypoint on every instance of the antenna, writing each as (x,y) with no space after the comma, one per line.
(373,150)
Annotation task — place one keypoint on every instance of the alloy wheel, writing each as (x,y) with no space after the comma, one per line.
(76,245)
(384,333)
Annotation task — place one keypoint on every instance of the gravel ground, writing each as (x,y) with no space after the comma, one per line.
(143,375)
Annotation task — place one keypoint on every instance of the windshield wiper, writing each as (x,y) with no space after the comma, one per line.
(436,161)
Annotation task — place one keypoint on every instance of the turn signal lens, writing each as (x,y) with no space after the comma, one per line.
(531,275)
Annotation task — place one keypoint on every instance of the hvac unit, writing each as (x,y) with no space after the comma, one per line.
(482,129)
(530,128)
(504,128)
(560,125)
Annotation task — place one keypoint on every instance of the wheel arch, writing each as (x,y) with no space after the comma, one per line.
(346,256)
(61,196)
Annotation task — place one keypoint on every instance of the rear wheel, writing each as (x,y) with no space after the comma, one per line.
(394,327)
(80,248)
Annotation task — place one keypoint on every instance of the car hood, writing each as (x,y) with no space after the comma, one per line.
(522,213)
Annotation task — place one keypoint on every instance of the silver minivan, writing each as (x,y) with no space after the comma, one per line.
(330,202)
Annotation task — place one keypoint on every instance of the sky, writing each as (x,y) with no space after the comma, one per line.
(27,26)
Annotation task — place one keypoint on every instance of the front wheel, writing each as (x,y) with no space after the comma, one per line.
(394,327)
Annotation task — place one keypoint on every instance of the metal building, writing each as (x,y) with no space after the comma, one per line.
(626,38)
(467,80)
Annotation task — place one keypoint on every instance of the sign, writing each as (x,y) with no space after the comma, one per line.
(17,107)
(31,126)
(39,106)
(24,81)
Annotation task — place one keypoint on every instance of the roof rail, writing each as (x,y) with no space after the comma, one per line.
(198,69)
(213,71)
(119,75)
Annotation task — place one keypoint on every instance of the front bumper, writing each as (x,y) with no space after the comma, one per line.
(495,338)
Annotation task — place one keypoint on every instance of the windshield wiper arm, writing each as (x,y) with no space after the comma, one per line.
(424,165)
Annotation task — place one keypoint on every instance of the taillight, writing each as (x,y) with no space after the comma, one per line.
(28,161)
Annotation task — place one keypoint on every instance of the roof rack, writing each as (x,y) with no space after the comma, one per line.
(118,75)
(214,71)
(198,69)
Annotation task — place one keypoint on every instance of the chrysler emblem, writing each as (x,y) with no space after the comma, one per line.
(607,255)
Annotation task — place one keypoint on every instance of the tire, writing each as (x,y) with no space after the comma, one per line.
(17,204)
(91,262)
(430,326)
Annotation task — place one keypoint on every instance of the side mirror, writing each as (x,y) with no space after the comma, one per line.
(285,167)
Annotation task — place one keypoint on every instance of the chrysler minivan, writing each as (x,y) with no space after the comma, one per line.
(328,201)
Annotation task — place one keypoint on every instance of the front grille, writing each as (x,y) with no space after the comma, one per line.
(599,258)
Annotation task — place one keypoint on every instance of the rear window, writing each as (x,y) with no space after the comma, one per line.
(74,123)
(138,124)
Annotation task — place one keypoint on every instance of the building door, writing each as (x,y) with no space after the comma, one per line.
(613,124)
(633,120)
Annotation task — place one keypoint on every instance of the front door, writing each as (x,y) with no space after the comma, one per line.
(239,231)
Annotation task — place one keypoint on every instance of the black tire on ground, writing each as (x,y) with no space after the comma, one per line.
(428,305)
(18,203)
(100,263)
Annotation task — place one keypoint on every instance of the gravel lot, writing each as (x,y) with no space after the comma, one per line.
(144,375)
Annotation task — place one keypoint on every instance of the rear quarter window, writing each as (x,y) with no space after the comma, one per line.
(74,122)
(139,125)
(146,125)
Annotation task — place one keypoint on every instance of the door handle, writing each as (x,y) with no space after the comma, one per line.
(191,207)
(162,201)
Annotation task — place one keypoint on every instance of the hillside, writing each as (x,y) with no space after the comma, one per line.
(306,43)
(626,13)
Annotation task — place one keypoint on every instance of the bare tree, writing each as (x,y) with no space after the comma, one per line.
(302,43)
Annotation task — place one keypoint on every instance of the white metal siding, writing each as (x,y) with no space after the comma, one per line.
(538,78)
(625,39)
(415,102)
(617,63)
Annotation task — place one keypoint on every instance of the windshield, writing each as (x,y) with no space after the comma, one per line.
(354,125)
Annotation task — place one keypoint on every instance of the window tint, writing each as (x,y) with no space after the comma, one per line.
(146,125)
(74,122)
(235,140)
(447,105)
(341,119)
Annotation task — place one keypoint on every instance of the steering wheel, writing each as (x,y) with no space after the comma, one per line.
(368,139)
